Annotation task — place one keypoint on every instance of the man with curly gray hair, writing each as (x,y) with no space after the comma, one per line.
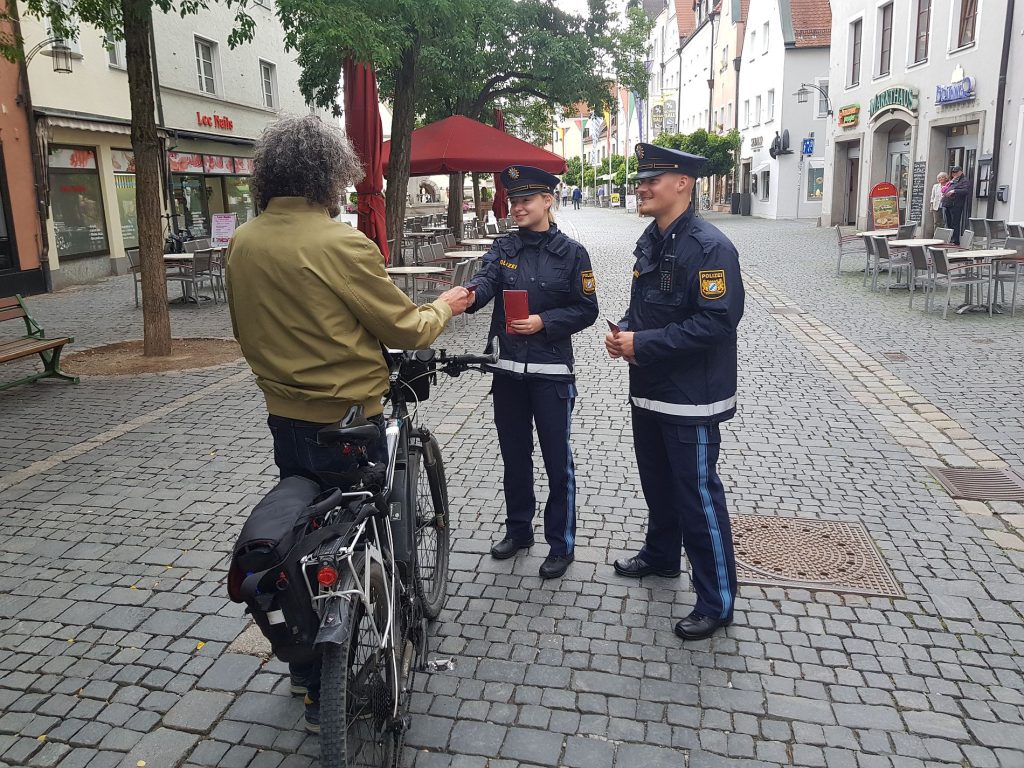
(311,305)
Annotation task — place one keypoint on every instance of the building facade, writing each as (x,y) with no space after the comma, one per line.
(726,59)
(212,103)
(914,85)
(782,157)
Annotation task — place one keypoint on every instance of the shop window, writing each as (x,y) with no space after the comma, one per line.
(123,163)
(924,20)
(885,40)
(239,198)
(77,203)
(268,77)
(815,182)
(765,184)
(855,41)
(967,13)
(64,8)
(206,53)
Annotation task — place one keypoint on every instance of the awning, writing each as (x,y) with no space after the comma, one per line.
(762,167)
(96,126)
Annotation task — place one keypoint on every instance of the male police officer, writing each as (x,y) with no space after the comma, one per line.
(679,336)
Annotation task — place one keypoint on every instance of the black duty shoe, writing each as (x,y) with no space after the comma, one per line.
(697,627)
(555,565)
(637,567)
(312,715)
(507,547)
(299,685)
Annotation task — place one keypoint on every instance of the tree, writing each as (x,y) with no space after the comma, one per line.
(132,20)
(720,150)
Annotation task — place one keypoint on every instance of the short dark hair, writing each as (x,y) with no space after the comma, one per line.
(304,157)
(956,169)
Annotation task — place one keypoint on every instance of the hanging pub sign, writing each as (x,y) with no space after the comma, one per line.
(898,98)
(962,88)
(883,202)
(849,115)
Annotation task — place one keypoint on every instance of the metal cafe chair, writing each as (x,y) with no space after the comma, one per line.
(966,275)
(977,226)
(995,229)
(849,245)
(869,251)
(920,263)
(1007,271)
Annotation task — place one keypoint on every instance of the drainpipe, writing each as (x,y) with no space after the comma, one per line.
(997,139)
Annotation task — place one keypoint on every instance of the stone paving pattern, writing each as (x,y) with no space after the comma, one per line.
(120,498)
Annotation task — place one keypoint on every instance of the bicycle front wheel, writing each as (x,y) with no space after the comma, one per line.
(433,532)
(358,684)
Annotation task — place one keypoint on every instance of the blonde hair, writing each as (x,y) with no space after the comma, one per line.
(551,208)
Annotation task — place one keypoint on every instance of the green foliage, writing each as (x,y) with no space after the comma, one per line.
(720,150)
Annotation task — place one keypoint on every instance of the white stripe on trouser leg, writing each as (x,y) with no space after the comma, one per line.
(712,519)
(570,483)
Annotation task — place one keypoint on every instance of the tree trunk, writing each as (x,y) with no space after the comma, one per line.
(156,320)
(476,191)
(455,203)
(402,124)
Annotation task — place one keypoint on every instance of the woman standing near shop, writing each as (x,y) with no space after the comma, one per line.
(534,381)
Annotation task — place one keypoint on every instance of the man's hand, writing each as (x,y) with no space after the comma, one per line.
(457,298)
(620,345)
(527,327)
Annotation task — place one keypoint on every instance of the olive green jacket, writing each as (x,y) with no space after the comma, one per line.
(311,304)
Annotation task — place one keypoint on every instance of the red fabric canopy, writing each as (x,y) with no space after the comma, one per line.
(458,144)
(500,204)
(362,123)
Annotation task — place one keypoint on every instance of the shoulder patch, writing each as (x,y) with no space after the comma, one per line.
(508,264)
(712,283)
(589,281)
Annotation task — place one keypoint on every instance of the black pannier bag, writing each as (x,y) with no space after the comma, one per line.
(265,573)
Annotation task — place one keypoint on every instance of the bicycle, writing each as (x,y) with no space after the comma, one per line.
(374,586)
(705,202)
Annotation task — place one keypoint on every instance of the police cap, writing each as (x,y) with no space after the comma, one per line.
(653,160)
(525,180)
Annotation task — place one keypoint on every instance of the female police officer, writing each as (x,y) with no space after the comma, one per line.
(533,378)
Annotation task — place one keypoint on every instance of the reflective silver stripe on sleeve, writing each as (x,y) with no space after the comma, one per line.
(678,409)
(553,369)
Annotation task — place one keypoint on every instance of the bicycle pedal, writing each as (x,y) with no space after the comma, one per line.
(440,665)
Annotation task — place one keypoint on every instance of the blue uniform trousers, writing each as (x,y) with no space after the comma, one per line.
(518,404)
(686,503)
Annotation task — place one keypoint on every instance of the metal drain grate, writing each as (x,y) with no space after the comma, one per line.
(785,311)
(897,357)
(811,554)
(980,484)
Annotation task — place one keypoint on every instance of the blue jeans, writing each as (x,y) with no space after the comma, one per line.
(296,452)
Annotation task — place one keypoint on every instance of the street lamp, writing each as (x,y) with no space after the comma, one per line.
(803,95)
(60,53)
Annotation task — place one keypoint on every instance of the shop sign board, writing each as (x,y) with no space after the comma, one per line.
(218,164)
(223,228)
(884,205)
(964,89)
(185,162)
(898,97)
(223,122)
(917,188)
(757,143)
(631,203)
(849,115)
(72,158)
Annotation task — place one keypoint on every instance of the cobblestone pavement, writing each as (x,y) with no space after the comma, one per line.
(119,499)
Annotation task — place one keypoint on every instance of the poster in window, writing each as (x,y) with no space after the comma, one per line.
(815,183)
(984,177)
(218,164)
(122,160)
(73,158)
(183,162)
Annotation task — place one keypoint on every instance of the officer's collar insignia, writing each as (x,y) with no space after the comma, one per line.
(712,283)
(640,152)
(589,281)
(513,173)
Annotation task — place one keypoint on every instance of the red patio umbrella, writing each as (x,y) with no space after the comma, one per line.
(500,204)
(362,122)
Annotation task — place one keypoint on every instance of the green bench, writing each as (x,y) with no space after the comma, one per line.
(34,342)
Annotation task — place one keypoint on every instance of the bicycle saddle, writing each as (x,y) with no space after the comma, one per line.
(353,428)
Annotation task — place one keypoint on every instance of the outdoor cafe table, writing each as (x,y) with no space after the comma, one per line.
(481,241)
(457,255)
(878,233)
(982,254)
(412,272)
(916,242)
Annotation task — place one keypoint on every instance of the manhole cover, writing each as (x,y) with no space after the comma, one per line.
(980,484)
(899,357)
(813,554)
(785,311)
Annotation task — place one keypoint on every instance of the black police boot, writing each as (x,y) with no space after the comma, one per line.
(637,567)
(508,546)
(555,565)
(697,627)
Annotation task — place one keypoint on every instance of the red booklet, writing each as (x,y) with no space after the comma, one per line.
(517,307)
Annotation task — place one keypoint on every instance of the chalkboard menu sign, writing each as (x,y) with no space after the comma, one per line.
(917,194)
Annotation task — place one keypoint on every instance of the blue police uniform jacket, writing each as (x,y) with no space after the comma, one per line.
(555,272)
(685,304)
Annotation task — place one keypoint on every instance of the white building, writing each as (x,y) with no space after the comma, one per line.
(212,103)
(786,44)
(672,27)
(914,84)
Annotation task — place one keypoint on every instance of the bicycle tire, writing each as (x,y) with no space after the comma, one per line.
(355,720)
(433,529)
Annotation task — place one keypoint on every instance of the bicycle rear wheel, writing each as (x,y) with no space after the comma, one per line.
(432,526)
(357,686)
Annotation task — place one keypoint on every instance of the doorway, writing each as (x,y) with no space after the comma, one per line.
(962,150)
(8,255)
(898,164)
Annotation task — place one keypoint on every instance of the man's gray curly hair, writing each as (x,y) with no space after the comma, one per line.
(304,157)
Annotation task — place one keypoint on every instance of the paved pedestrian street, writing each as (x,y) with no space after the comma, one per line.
(120,499)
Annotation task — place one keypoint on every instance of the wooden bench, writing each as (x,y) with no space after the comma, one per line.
(34,342)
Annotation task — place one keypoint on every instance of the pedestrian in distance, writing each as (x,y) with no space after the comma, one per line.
(679,339)
(311,306)
(954,200)
(577,197)
(565,195)
(938,217)
(534,379)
